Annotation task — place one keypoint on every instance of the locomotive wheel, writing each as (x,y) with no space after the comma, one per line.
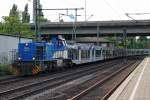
(16,71)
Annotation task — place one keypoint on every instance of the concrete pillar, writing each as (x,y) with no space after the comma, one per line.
(91,57)
(94,52)
(98,34)
(79,55)
(101,54)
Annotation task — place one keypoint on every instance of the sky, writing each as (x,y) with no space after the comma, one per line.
(97,10)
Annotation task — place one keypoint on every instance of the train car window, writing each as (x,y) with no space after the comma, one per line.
(98,53)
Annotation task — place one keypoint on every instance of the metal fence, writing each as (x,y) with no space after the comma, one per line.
(8,57)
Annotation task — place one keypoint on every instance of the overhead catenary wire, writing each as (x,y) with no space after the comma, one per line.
(129,15)
(108,4)
(137,13)
(121,8)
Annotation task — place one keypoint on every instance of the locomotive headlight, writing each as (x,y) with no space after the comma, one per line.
(26,44)
(19,58)
(33,58)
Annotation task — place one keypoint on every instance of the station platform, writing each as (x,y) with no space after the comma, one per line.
(137,85)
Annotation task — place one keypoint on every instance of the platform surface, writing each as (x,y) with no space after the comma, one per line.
(137,85)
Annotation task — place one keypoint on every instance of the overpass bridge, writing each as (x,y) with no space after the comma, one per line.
(100,28)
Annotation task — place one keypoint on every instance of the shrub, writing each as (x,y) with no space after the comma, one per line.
(5,70)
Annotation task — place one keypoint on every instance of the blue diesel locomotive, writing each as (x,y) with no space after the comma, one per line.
(35,57)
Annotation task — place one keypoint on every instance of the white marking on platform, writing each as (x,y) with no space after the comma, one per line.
(121,88)
(137,83)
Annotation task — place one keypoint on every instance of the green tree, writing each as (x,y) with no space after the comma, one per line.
(140,43)
(13,25)
(25,15)
(143,41)
(41,17)
(14,10)
(149,43)
(143,38)
(131,42)
(1,27)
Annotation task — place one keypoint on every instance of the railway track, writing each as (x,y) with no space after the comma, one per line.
(21,81)
(27,90)
(30,89)
(18,79)
(15,79)
(10,80)
(97,91)
(60,94)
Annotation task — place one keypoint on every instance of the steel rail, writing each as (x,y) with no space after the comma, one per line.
(84,92)
(10,80)
(48,80)
(16,79)
(114,88)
